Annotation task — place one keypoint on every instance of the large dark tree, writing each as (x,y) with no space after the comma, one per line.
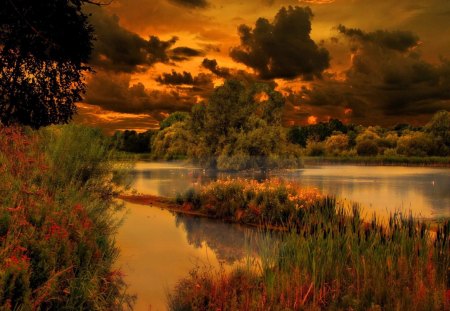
(44,49)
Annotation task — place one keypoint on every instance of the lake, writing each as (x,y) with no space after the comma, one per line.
(158,247)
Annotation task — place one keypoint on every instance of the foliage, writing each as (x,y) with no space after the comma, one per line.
(439,126)
(175,117)
(172,142)
(238,128)
(57,222)
(44,48)
(315,148)
(400,141)
(415,144)
(131,141)
(318,132)
(332,259)
(336,143)
(367,147)
(272,202)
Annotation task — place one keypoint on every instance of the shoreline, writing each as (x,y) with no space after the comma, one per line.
(169,204)
(439,162)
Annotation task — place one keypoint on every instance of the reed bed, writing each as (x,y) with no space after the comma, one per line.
(330,258)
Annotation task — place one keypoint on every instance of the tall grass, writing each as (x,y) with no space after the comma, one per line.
(271,202)
(57,223)
(332,259)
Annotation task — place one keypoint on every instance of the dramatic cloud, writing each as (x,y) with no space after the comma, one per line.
(395,40)
(111,121)
(121,50)
(282,49)
(387,79)
(185,78)
(211,65)
(191,3)
(116,93)
(184,53)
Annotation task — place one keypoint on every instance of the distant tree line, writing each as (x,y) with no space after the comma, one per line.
(239,127)
(334,138)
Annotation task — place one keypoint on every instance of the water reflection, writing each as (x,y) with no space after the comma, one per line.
(158,248)
(380,189)
(231,243)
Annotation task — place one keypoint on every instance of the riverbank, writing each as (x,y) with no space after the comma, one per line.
(323,160)
(330,258)
(380,161)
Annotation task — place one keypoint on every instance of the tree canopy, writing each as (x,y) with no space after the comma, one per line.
(44,49)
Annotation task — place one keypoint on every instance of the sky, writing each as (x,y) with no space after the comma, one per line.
(367,62)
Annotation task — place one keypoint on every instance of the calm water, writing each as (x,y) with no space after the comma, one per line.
(159,248)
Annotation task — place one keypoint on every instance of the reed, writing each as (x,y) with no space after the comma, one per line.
(331,258)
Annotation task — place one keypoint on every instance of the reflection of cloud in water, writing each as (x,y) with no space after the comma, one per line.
(230,242)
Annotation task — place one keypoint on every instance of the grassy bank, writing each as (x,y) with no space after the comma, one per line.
(330,260)
(57,222)
(380,160)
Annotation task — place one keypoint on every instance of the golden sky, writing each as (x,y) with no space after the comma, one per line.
(362,61)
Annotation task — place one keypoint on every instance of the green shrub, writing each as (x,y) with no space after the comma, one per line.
(415,144)
(367,148)
(315,148)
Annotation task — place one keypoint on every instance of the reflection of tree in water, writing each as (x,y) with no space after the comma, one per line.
(230,242)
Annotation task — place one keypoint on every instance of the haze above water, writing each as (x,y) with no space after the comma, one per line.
(159,248)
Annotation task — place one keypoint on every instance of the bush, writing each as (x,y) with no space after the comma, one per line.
(271,202)
(57,249)
(315,148)
(336,144)
(367,148)
(415,144)
(172,142)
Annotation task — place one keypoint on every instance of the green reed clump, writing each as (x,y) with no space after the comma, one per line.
(57,223)
(333,259)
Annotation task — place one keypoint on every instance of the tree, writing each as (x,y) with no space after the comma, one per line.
(336,143)
(439,126)
(44,49)
(178,116)
(367,147)
(231,108)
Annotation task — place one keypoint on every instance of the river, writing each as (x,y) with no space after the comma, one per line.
(158,247)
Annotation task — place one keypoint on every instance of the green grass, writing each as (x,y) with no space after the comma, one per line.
(331,259)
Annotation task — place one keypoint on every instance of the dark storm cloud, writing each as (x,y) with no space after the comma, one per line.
(121,50)
(185,78)
(176,78)
(115,93)
(184,53)
(211,65)
(283,48)
(395,40)
(191,3)
(388,78)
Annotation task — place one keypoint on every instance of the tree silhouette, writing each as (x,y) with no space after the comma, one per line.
(44,50)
